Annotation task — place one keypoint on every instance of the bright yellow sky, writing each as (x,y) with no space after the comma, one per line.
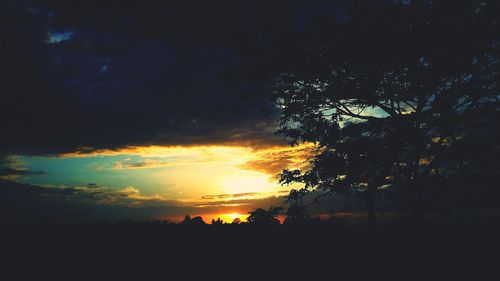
(184,173)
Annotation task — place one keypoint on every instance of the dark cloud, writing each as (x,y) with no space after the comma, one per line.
(103,74)
(4,171)
(11,169)
(86,75)
(23,203)
(139,165)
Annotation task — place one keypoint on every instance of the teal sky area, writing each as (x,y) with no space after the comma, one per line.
(82,171)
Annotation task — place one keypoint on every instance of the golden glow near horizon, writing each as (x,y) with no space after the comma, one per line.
(208,217)
(195,173)
(232,216)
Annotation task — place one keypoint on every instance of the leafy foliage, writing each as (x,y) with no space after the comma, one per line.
(265,217)
(399,97)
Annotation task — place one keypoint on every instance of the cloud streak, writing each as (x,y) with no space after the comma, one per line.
(11,169)
(146,164)
(245,196)
(59,37)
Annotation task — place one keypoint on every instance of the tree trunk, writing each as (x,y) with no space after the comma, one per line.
(370,204)
(417,198)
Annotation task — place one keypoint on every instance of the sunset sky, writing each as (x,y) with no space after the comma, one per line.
(132,105)
(145,110)
(227,180)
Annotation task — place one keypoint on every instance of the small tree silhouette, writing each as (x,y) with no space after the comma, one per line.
(296,214)
(193,221)
(217,222)
(265,217)
(187,219)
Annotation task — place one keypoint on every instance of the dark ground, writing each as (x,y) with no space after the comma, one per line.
(119,249)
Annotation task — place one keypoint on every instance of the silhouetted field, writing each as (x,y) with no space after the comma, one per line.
(171,235)
(118,249)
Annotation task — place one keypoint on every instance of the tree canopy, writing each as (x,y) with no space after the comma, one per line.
(401,96)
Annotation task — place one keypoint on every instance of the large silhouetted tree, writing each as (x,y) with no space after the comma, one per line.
(400,96)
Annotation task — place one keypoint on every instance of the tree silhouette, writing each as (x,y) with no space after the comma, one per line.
(297,212)
(393,98)
(265,217)
(187,219)
(193,221)
(217,222)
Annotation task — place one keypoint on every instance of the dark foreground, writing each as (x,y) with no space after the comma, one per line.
(82,249)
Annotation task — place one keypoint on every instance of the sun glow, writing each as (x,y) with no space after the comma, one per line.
(228,218)
(234,216)
(247,182)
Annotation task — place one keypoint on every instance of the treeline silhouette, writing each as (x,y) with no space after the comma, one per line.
(295,216)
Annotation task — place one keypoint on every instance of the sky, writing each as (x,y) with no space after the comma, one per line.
(133,106)
(232,178)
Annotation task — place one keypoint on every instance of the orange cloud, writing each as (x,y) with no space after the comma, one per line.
(243,196)
(274,161)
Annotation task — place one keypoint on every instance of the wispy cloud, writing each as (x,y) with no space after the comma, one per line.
(11,168)
(9,171)
(145,164)
(54,37)
(229,196)
(245,196)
